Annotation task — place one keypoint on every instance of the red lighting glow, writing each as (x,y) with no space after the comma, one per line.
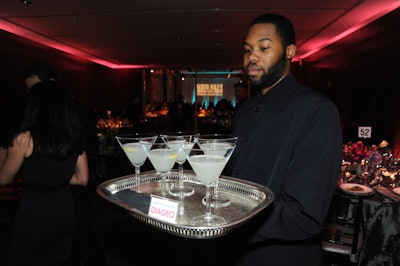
(20,31)
(362,14)
(352,21)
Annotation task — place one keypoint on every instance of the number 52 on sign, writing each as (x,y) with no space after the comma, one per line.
(364,132)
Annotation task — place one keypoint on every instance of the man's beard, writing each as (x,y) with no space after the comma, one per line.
(274,73)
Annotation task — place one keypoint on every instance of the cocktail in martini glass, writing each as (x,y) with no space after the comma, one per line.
(214,144)
(176,140)
(207,163)
(163,158)
(131,144)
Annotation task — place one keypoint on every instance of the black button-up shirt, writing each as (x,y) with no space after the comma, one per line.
(290,140)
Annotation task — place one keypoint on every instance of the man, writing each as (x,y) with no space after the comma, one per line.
(15,106)
(40,72)
(179,111)
(241,94)
(37,73)
(290,141)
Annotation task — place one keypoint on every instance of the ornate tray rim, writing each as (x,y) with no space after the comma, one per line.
(107,188)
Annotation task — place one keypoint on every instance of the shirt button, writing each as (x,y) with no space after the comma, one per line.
(256,109)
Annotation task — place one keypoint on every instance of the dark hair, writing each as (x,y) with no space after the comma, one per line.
(284,27)
(52,120)
(43,71)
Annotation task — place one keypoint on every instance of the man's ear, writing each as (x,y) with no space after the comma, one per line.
(291,51)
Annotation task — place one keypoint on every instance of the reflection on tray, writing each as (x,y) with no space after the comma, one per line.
(247,200)
(134,199)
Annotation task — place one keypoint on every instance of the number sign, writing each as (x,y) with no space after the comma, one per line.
(364,132)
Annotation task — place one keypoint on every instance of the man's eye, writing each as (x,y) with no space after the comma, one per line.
(247,51)
(264,48)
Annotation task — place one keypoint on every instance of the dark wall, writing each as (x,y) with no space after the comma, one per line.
(100,87)
(361,74)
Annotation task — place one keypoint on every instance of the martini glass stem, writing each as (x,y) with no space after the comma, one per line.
(216,189)
(180,189)
(180,175)
(208,203)
(137,177)
(164,184)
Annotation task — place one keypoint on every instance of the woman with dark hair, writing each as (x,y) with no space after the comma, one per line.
(50,149)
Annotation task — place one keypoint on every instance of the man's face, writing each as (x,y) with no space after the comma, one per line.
(30,81)
(264,58)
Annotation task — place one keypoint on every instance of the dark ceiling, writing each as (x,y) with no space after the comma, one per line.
(178,34)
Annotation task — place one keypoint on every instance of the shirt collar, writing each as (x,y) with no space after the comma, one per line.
(280,91)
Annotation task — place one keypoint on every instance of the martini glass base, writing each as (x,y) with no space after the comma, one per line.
(207,220)
(181,191)
(217,202)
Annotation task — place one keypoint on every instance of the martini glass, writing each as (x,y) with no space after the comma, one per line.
(208,165)
(132,147)
(163,158)
(213,144)
(176,140)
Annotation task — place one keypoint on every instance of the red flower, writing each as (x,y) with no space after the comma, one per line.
(355,152)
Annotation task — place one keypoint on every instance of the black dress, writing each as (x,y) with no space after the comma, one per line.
(45,219)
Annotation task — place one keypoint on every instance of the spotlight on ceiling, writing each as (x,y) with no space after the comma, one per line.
(25,2)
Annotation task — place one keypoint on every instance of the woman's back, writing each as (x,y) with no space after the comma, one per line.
(45,219)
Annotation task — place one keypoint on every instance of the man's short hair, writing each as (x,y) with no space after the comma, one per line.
(44,72)
(284,27)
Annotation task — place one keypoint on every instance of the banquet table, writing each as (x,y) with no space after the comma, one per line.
(365,226)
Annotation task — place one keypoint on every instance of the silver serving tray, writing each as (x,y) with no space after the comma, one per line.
(247,200)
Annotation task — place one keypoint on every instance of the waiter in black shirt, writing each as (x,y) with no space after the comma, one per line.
(290,140)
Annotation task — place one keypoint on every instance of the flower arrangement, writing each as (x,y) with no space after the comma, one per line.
(372,164)
(355,152)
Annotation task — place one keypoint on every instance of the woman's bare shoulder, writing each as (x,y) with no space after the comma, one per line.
(24,141)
